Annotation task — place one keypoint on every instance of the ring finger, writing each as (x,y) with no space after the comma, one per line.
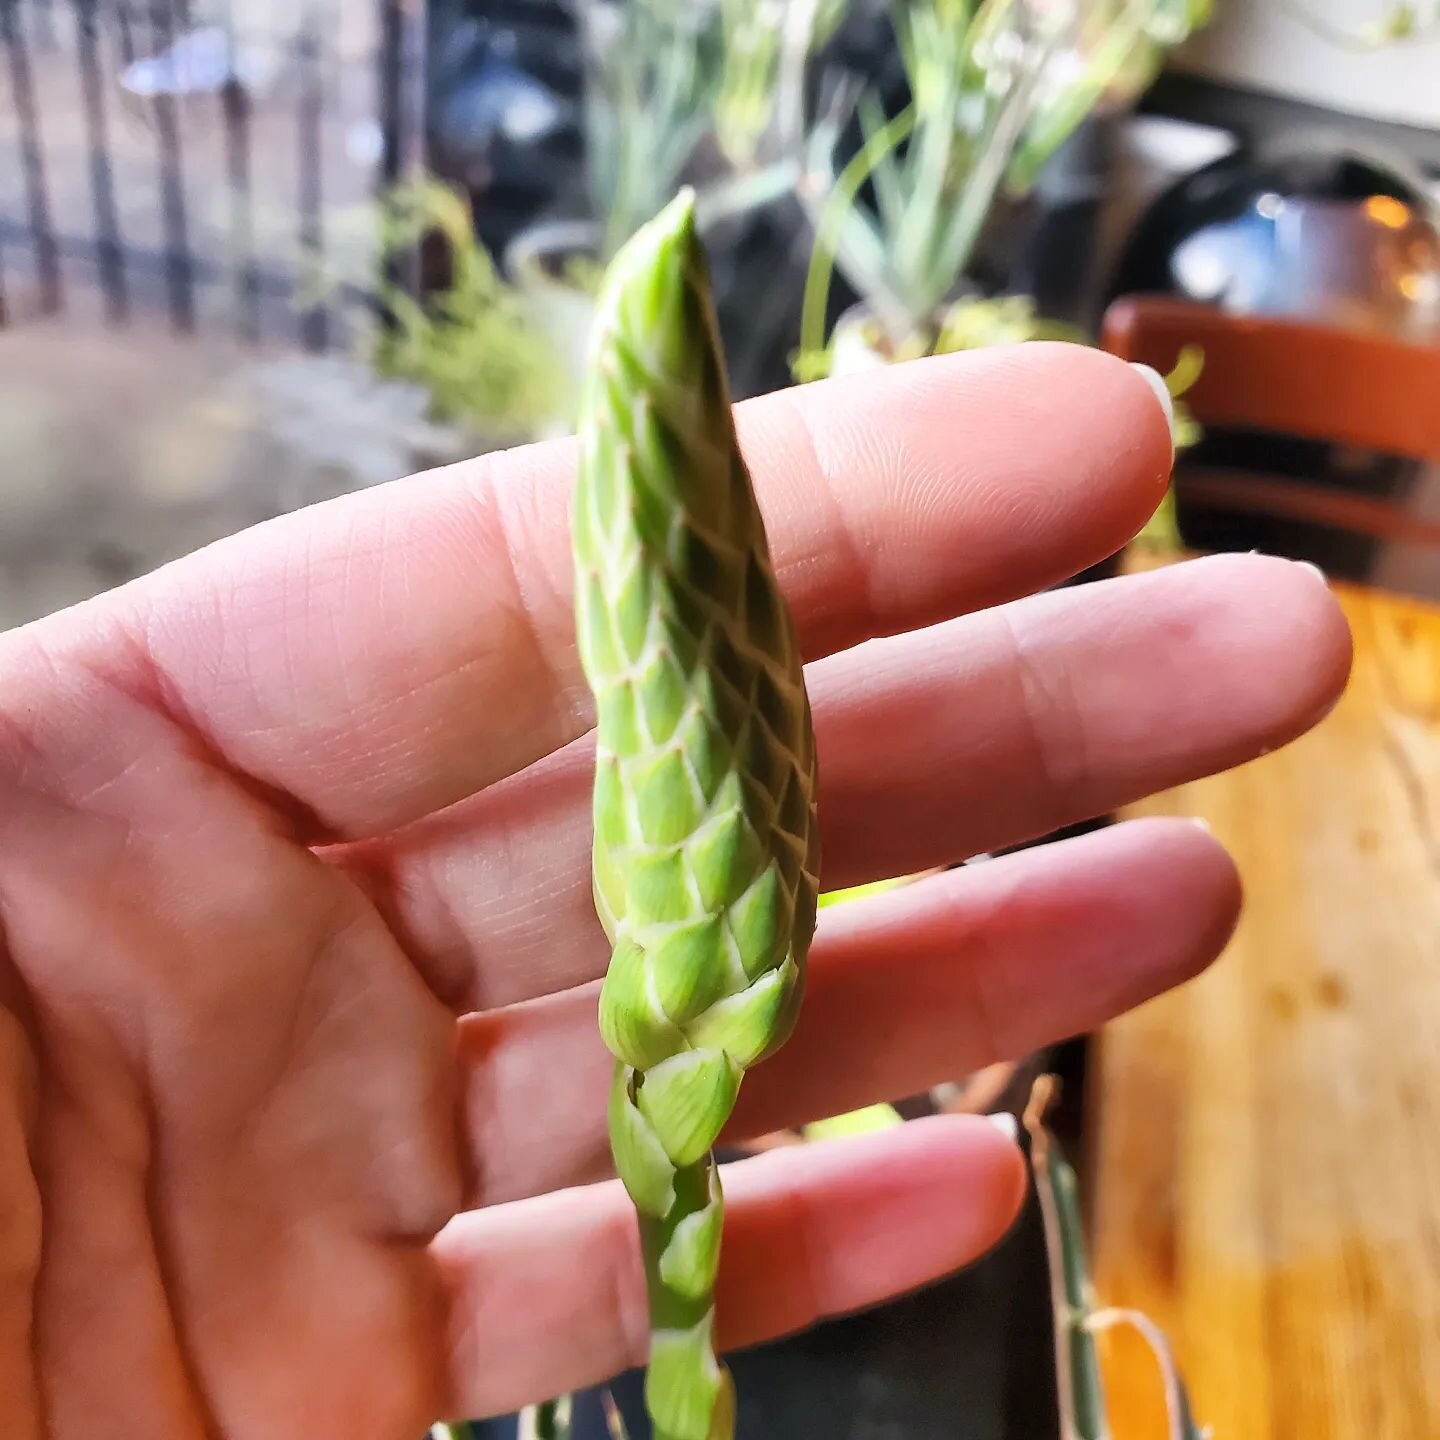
(906,990)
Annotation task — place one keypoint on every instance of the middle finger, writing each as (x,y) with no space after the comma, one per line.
(935,745)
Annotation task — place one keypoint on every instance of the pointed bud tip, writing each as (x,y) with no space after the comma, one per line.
(680,212)
(670,233)
(657,261)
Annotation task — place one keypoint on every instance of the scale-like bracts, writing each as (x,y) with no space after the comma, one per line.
(706,846)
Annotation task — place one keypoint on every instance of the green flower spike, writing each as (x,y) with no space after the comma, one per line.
(706,845)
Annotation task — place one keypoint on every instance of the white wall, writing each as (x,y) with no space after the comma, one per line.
(1262,45)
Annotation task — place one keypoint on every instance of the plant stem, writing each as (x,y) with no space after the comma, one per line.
(1077,1366)
(706,849)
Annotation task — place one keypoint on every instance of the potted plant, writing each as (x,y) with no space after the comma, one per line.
(760,100)
(994,90)
(440,366)
(708,93)
(648,80)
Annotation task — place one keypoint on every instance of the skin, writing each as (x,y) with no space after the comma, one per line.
(299,1079)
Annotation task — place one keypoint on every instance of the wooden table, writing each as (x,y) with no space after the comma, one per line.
(1266,1161)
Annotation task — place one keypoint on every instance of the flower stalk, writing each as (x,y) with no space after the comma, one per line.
(706,850)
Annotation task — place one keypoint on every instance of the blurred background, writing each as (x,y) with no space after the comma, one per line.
(254,254)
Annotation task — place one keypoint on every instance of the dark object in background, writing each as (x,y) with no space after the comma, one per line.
(503,110)
(1319,233)
(1224,503)
(1301,228)
(505,121)
(972,1356)
(1048,245)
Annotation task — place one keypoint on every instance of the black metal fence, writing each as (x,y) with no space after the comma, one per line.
(210,162)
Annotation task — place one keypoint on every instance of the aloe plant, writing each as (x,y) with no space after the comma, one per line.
(935,168)
(995,88)
(706,850)
(651,76)
(764,46)
(1119,47)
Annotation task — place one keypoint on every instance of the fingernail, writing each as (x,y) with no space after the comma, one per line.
(1316,571)
(1005,1123)
(1200,823)
(1156,381)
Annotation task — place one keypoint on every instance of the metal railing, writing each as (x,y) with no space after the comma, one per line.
(189,158)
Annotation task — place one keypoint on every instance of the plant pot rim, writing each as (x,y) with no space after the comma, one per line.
(530,255)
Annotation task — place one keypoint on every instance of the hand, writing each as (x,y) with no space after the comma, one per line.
(298,1062)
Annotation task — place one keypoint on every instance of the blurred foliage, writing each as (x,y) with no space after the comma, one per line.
(1161,534)
(1394,25)
(1114,54)
(652,74)
(764,47)
(1005,320)
(856,1122)
(860,892)
(995,88)
(472,343)
(662,75)
(970,323)
(1188,365)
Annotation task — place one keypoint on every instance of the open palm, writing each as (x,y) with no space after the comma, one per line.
(300,1091)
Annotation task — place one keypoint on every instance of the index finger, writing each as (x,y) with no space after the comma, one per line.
(382,656)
